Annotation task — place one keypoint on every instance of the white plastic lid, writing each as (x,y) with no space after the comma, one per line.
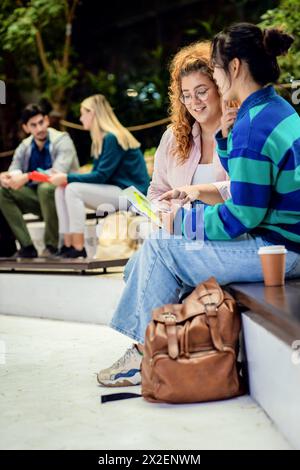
(272,250)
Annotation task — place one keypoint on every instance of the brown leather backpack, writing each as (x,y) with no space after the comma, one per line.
(190,349)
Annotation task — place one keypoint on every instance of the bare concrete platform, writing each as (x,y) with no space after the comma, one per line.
(50,399)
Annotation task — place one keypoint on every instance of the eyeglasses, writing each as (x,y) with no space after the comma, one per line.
(199,95)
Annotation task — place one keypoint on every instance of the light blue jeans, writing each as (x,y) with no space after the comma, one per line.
(129,265)
(164,267)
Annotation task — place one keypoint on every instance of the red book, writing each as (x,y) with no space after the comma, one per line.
(40,177)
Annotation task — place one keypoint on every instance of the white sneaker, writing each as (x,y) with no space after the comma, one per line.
(124,372)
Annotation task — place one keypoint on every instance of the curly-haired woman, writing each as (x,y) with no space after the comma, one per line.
(187,153)
(186,158)
(261,155)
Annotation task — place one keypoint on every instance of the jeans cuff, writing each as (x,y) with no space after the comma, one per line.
(127,333)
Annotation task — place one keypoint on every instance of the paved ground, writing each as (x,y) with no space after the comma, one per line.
(49,398)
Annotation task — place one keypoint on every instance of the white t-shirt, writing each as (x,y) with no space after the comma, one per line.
(205,173)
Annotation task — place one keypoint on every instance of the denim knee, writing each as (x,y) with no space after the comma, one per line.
(129,266)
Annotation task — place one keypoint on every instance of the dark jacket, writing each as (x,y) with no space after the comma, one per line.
(116,166)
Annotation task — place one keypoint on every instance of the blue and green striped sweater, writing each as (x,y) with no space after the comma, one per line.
(262,158)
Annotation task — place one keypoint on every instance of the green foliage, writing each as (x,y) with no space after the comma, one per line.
(20,25)
(57,80)
(93,83)
(102,82)
(143,91)
(28,34)
(133,77)
(285,16)
(200,28)
(137,94)
(150,152)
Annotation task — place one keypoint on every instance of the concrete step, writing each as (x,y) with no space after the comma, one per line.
(90,299)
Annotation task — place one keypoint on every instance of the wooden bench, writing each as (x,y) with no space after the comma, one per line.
(59,265)
(278,306)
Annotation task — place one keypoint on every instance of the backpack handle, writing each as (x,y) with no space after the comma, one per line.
(211,312)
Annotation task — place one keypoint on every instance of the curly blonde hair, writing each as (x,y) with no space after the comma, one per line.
(192,58)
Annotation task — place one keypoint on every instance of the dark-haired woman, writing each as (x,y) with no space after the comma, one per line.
(262,157)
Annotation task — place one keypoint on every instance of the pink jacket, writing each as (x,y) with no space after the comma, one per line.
(169,174)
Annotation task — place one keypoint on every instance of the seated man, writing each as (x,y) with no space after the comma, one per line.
(45,148)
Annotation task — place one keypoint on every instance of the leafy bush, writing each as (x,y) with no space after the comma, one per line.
(285,16)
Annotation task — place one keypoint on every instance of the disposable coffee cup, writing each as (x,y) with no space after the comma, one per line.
(272,259)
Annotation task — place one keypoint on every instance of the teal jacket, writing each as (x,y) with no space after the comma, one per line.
(116,166)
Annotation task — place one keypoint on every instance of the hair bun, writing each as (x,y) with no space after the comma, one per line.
(276,42)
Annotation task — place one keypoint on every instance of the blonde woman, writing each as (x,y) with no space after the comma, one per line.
(118,163)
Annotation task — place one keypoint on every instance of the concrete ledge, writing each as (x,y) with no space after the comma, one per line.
(89,299)
(274,375)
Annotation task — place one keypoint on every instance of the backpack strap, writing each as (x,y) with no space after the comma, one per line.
(171,329)
(118,396)
(211,311)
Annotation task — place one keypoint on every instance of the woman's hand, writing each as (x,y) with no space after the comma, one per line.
(176,198)
(167,218)
(58,179)
(184,194)
(229,113)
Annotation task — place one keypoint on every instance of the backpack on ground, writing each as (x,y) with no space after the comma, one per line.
(190,352)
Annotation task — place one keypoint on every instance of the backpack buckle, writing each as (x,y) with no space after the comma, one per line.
(211,309)
(169,318)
